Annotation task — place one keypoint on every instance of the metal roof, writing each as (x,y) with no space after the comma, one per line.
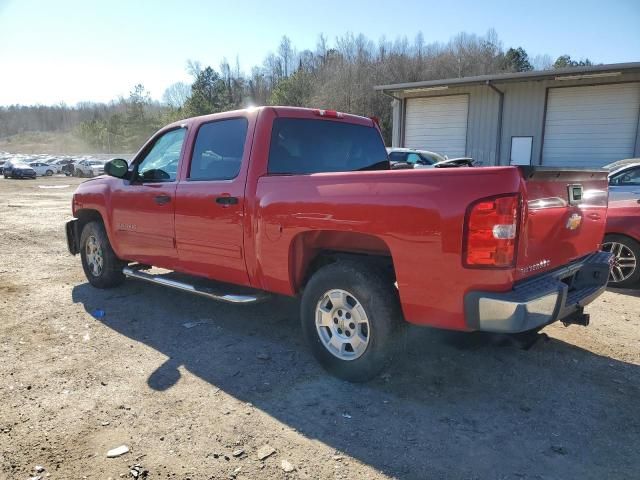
(584,72)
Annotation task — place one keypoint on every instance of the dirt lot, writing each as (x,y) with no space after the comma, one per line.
(455,406)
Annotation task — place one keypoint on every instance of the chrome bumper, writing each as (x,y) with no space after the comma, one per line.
(541,300)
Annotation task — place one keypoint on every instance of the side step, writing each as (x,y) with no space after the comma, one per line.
(135,271)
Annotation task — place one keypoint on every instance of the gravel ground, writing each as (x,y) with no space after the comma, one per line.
(200,401)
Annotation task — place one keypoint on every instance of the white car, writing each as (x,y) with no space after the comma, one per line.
(43,169)
(89,168)
(410,158)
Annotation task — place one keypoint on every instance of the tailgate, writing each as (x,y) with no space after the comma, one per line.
(564,216)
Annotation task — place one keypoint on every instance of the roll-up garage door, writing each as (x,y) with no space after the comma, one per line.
(591,126)
(438,124)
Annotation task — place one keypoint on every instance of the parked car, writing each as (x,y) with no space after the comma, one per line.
(623,225)
(65,165)
(2,162)
(402,158)
(302,202)
(17,169)
(43,169)
(89,168)
(409,158)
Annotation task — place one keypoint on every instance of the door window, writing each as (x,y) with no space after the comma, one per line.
(160,164)
(398,157)
(630,177)
(414,158)
(218,150)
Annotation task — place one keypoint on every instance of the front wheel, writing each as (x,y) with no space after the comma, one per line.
(101,266)
(625,271)
(350,315)
(49,173)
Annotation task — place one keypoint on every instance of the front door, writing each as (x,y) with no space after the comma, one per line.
(143,208)
(210,203)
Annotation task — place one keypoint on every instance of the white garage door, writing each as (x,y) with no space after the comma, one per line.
(590,126)
(438,124)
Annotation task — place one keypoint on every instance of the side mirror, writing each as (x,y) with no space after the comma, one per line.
(117,167)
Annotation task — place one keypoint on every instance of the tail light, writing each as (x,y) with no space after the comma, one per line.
(491,228)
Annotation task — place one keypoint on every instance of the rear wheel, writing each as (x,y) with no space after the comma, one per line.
(625,270)
(49,173)
(101,266)
(350,315)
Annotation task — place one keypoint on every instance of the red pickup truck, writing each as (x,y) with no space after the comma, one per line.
(303,202)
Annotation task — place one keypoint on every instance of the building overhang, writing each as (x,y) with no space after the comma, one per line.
(562,74)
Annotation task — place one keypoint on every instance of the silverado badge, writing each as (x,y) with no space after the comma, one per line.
(574,221)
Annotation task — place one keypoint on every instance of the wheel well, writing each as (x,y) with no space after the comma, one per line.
(86,216)
(311,251)
(616,234)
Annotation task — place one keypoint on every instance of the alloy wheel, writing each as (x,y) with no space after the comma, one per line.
(342,324)
(624,261)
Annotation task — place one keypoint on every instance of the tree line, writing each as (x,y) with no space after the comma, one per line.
(338,76)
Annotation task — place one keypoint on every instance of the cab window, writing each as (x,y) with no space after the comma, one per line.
(305,146)
(160,164)
(218,150)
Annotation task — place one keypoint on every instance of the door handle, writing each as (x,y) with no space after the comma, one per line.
(162,199)
(227,200)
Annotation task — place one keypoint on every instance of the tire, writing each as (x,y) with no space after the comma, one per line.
(102,267)
(373,290)
(626,268)
(48,173)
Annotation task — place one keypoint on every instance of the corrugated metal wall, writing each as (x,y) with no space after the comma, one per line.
(523,115)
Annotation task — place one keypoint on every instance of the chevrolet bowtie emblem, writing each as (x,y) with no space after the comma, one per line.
(574,221)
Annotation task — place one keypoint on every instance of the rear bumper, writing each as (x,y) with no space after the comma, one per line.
(73,238)
(541,300)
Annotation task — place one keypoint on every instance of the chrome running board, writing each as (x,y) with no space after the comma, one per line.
(135,271)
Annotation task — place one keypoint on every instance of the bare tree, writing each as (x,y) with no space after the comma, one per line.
(176,94)
(285,50)
(194,67)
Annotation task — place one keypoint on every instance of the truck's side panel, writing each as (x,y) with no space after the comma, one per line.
(406,211)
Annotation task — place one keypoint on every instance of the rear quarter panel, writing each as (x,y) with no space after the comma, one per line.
(418,214)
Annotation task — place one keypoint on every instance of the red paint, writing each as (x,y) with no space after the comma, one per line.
(623,218)
(280,223)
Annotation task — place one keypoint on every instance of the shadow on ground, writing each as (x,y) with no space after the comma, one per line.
(451,406)
(632,292)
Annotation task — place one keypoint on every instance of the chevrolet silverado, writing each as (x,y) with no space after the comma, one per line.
(302,202)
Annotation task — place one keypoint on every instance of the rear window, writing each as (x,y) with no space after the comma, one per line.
(300,146)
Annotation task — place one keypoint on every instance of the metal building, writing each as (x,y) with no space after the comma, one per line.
(584,116)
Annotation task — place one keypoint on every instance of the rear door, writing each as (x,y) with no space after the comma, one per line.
(564,217)
(143,209)
(210,202)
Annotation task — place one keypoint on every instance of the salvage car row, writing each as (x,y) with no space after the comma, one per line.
(30,166)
